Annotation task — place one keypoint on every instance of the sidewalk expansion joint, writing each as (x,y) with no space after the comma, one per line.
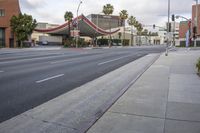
(132,114)
(147,116)
(164,129)
(183,120)
(49,122)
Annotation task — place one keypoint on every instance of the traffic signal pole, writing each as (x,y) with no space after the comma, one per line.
(166,53)
(174,29)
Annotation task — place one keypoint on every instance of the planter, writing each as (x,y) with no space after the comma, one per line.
(198,66)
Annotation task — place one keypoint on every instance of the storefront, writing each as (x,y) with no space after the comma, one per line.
(2,37)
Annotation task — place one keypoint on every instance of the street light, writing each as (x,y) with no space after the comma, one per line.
(179,16)
(77,28)
(166,53)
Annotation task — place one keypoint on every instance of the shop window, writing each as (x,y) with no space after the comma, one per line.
(2,37)
(2,12)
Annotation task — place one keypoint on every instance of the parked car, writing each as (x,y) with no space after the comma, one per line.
(45,43)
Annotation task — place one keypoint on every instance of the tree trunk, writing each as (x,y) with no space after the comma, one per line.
(131,35)
(21,44)
(110,33)
(69,29)
(124,37)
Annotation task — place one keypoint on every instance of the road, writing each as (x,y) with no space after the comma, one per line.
(30,78)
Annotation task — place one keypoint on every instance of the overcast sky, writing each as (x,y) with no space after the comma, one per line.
(146,11)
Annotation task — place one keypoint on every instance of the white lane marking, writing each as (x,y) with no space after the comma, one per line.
(1,71)
(43,80)
(102,63)
(37,58)
(61,61)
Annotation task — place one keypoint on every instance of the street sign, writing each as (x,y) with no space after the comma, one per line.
(74,23)
(75,33)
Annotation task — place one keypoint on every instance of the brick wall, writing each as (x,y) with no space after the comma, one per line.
(11,8)
(183,28)
(194,15)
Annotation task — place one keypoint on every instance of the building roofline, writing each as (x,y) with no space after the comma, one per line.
(80,18)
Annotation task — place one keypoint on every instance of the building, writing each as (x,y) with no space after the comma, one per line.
(194,18)
(182,32)
(162,35)
(173,32)
(106,22)
(38,37)
(8,8)
(184,27)
(86,28)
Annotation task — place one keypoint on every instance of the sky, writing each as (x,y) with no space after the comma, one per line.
(147,12)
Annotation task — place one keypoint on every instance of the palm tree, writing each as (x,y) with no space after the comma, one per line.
(108,10)
(132,22)
(68,17)
(139,29)
(123,16)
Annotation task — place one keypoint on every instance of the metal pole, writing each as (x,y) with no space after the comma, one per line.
(196,23)
(166,53)
(110,33)
(97,22)
(131,35)
(97,27)
(174,30)
(77,23)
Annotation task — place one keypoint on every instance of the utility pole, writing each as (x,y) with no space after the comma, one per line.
(77,28)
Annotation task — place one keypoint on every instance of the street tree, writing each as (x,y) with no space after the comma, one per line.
(68,17)
(123,16)
(145,32)
(139,31)
(22,26)
(108,10)
(132,22)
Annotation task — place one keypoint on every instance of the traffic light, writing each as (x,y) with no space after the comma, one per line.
(169,27)
(154,26)
(173,17)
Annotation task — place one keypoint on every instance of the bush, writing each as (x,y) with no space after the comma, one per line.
(68,43)
(72,43)
(103,42)
(82,43)
(115,42)
(198,65)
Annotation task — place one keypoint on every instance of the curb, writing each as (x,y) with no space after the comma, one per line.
(109,104)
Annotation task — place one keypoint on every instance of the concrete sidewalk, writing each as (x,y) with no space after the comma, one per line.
(165,99)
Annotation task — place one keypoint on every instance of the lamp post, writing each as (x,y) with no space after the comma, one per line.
(179,16)
(77,28)
(174,30)
(166,53)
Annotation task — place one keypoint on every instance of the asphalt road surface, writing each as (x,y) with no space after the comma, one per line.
(29,78)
